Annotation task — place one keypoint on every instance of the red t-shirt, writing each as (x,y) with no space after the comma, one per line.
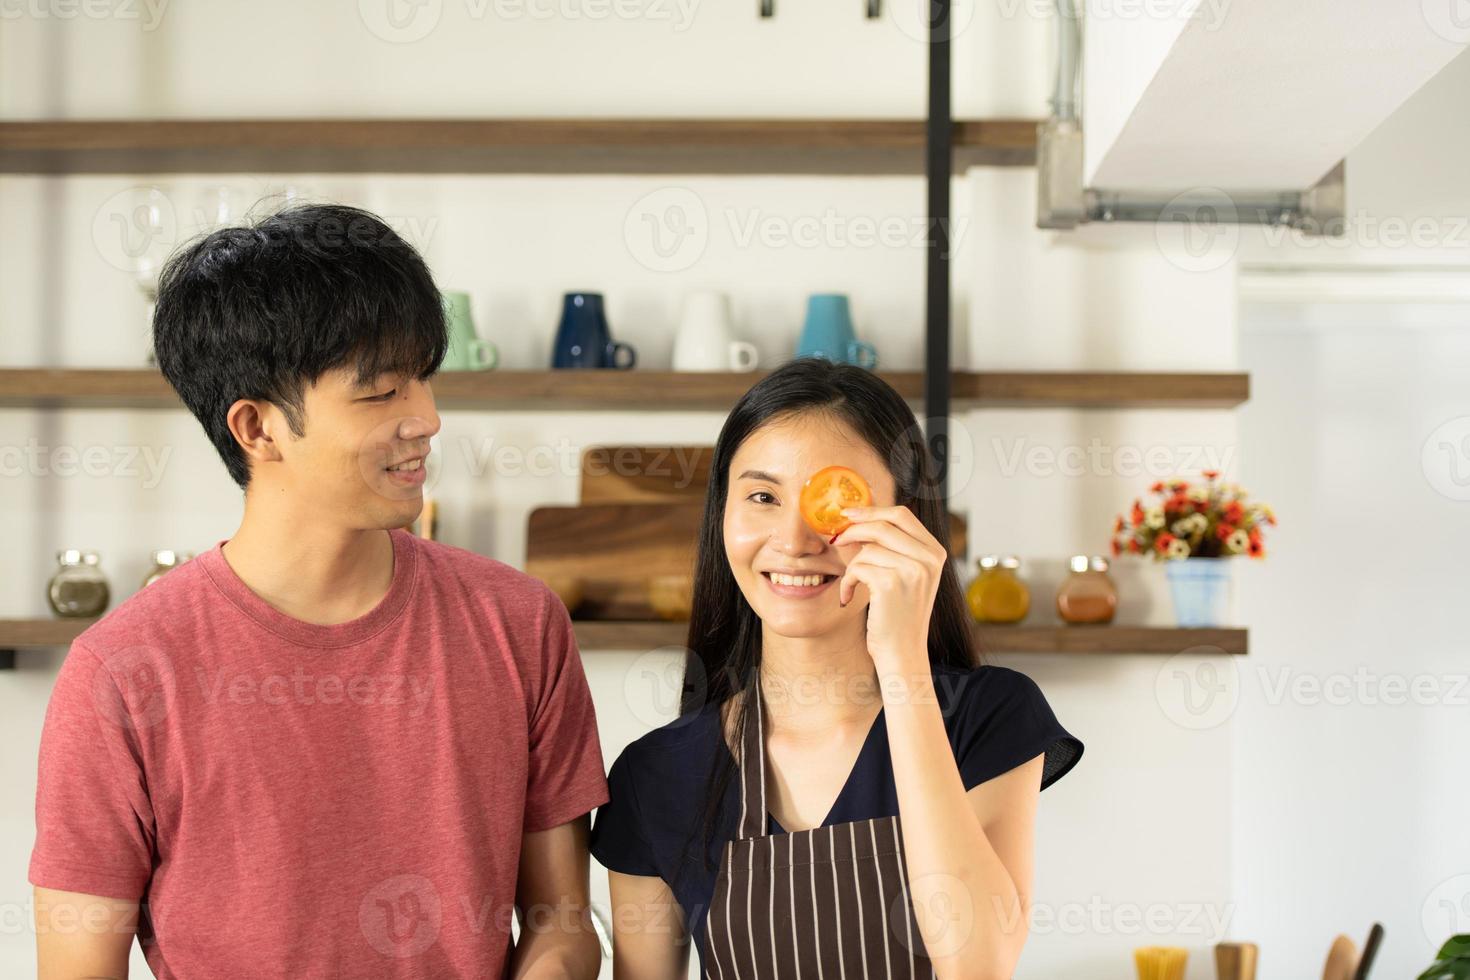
(303,801)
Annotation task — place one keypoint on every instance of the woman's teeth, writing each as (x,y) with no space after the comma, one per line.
(807,580)
(411,464)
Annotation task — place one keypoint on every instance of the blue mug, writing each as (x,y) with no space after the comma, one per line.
(828,332)
(583,339)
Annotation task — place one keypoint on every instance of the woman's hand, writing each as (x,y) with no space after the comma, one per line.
(900,562)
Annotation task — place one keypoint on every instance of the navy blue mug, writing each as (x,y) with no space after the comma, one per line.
(583,339)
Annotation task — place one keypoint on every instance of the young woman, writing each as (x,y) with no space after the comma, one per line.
(845,793)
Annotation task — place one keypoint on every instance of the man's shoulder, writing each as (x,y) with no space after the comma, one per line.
(478,574)
(154,616)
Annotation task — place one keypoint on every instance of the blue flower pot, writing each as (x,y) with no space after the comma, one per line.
(1201,590)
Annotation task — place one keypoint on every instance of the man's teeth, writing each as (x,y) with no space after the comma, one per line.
(412,464)
(808,580)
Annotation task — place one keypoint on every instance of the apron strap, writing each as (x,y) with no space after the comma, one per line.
(753,770)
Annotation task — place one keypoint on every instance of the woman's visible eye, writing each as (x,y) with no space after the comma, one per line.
(762,493)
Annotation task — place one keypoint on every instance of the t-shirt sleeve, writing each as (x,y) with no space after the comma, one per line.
(564,773)
(94,819)
(618,841)
(1003,720)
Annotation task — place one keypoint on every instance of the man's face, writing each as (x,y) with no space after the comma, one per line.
(362,457)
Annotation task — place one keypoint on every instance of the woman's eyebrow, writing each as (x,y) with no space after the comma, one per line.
(759,475)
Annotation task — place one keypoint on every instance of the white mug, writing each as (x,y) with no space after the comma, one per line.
(704,342)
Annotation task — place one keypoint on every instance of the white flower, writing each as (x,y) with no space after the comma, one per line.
(1153,517)
(1177,549)
(1238,542)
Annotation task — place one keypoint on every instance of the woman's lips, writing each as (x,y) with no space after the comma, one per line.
(798,591)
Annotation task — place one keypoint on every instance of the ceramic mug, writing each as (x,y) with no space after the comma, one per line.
(583,338)
(828,332)
(704,342)
(466,351)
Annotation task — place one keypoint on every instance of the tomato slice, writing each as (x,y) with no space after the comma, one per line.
(827,492)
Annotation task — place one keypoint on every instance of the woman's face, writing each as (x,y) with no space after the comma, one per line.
(765,532)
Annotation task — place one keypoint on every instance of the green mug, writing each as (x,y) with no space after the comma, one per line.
(467,352)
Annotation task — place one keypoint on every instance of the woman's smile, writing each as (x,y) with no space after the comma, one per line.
(798,586)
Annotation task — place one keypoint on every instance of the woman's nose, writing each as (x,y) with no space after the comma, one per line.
(795,536)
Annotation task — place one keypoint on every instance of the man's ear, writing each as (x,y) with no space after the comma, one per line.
(255,426)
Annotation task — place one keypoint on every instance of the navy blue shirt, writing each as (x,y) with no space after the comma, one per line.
(997,719)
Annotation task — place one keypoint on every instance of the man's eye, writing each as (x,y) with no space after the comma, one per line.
(385,396)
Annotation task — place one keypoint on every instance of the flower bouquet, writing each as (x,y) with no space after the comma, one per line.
(1203,522)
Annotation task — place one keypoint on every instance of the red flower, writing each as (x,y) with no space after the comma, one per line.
(1232,512)
(1133,548)
(1118,524)
(1116,549)
(1178,502)
(1137,514)
(1157,487)
(1223,530)
(1211,474)
(1161,543)
(1256,549)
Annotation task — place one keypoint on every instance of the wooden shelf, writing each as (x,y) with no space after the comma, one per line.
(20,634)
(551,146)
(608,390)
(594,636)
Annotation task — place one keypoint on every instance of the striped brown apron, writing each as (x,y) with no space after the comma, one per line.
(830,903)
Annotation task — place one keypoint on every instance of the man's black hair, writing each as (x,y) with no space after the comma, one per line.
(263,310)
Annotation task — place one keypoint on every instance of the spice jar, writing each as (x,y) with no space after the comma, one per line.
(1087,595)
(163,561)
(78,589)
(997,595)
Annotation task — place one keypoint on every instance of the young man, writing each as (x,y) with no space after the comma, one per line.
(325,748)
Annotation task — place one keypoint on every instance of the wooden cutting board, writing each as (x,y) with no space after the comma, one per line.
(615,548)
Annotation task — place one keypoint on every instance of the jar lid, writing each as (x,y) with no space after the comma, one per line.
(166,558)
(1077,563)
(70,556)
(1100,564)
(1010,561)
(989,561)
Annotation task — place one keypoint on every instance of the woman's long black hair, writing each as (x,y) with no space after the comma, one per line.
(724,632)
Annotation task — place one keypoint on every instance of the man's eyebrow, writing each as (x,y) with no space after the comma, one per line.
(759,475)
